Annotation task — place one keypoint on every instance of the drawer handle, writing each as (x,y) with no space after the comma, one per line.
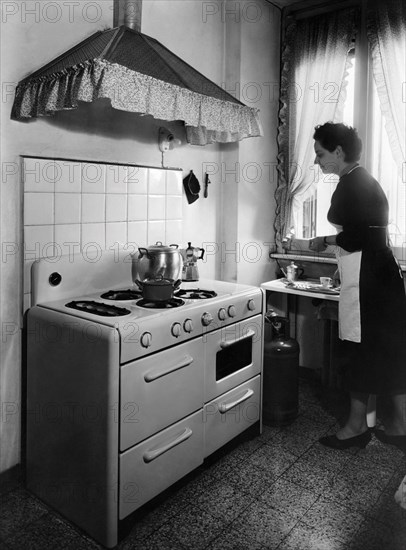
(227,344)
(154,374)
(152,455)
(224,407)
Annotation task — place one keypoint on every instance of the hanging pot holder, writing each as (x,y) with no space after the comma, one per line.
(192,187)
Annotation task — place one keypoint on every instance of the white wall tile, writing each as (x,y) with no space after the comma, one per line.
(156,207)
(137,207)
(67,238)
(68,177)
(116,208)
(38,242)
(173,230)
(174,182)
(38,208)
(93,208)
(156,181)
(116,178)
(137,180)
(93,177)
(94,233)
(173,207)
(67,208)
(137,233)
(38,174)
(156,232)
(116,233)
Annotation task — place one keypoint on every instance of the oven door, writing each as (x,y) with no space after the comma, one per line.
(233,355)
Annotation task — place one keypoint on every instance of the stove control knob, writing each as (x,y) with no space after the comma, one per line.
(176,330)
(146,339)
(188,325)
(222,314)
(207,318)
(231,311)
(251,305)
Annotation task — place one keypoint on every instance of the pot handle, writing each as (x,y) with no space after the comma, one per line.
(177,284)
(139,284)
(202,254)
(143,252)
(174,246)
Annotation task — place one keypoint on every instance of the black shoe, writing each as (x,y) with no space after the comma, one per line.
(360,441)
(398,441)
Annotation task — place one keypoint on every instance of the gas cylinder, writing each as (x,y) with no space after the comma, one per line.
(281,372)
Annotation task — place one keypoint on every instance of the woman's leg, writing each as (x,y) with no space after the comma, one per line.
(357,420)
(397,423)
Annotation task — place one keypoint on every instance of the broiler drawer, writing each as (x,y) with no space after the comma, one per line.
(230,414)
(152,466)
(160,389)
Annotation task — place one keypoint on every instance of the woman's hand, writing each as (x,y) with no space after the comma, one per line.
(317,244)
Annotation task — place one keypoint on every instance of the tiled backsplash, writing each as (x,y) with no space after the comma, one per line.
(73,206)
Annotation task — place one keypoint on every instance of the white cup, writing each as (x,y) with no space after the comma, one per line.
(326,282)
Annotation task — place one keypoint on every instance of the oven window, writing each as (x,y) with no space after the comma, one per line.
(233,358)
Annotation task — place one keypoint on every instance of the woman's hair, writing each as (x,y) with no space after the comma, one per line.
(330,135)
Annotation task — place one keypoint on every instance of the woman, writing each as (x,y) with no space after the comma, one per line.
(372,305)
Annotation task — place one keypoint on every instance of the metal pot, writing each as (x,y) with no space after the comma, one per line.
(158,289)
(158,259)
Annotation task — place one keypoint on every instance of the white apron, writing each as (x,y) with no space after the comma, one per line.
(349,311)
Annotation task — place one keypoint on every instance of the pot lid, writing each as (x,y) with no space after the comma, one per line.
(159,247)
(138,74)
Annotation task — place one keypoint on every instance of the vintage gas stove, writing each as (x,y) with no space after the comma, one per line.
(125,397)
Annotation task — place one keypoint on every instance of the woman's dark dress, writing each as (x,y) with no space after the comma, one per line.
(377,364)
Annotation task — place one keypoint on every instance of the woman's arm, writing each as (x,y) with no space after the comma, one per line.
(319,244)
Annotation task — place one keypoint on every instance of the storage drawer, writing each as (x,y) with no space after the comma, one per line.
(152,466)
(159,389)
(230,414)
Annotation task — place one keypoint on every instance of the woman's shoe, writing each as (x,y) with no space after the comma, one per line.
(360,441)
(398,441)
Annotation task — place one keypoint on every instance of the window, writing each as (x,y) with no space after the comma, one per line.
(362,110)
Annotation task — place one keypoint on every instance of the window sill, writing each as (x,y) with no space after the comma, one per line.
(316,258)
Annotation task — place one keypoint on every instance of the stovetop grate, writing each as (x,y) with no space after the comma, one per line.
(195,293)
(98,308)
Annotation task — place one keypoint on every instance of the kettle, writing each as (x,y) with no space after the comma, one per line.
(190,255)
(293,272)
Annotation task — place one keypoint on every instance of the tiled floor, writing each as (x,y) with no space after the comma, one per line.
(278,490)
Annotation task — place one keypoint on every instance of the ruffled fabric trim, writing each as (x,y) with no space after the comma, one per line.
(207,119)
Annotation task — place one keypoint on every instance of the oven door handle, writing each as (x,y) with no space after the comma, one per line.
(227,344)
(149,456)
(155,374)
(224,407)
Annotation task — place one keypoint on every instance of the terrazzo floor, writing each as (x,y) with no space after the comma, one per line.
(280,490)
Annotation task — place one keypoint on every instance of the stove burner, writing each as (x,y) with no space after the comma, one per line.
(167,304)
(122,295)
(98,308)
(195,293)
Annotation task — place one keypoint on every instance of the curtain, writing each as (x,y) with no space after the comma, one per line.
(386,31)
(314,63)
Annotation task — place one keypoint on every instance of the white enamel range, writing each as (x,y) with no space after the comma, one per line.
(125,399)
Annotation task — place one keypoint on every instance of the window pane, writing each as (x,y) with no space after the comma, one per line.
(311,217)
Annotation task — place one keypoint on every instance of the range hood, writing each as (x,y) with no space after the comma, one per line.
(140,75)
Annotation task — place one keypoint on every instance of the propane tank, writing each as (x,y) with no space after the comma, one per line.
(281,372)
